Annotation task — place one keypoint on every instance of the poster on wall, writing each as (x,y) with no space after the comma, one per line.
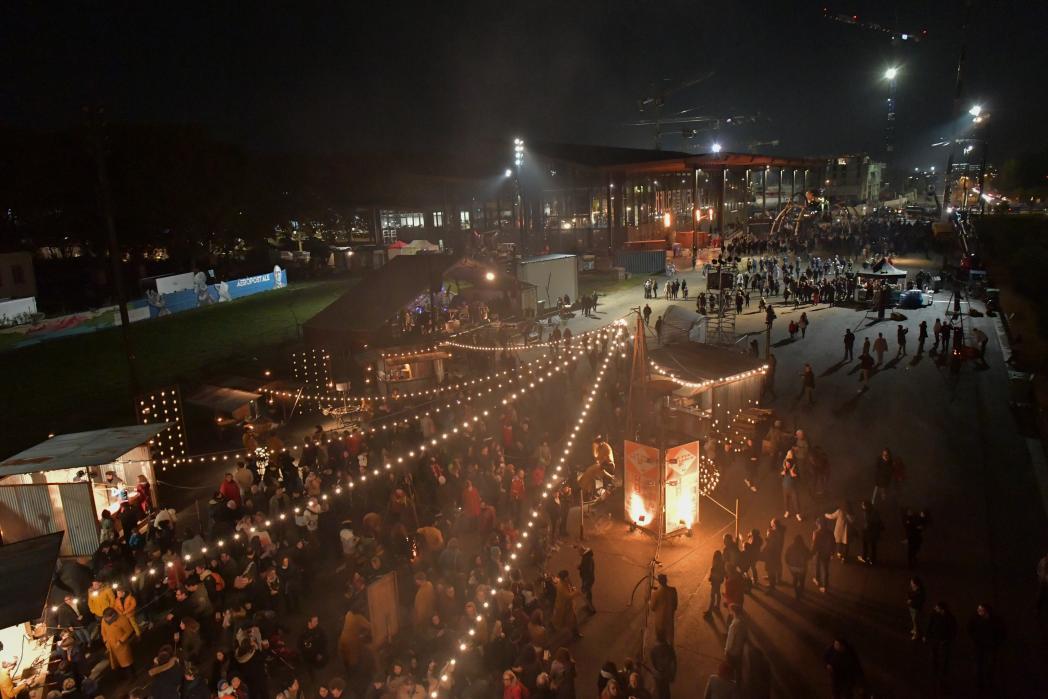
(641,480)
(682,486)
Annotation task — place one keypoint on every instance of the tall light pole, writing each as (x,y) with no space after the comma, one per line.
(889,131)
(518,162)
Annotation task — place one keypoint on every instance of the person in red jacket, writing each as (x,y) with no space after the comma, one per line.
(229,489)
(470,500)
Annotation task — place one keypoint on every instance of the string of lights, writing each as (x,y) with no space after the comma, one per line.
(554,365)
(400,396)
(708,383)
(552,481)
(350,483)
(524,346)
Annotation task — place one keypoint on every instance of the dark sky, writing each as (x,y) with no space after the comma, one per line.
(331,76)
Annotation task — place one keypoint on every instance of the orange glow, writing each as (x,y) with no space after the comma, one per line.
(666,221)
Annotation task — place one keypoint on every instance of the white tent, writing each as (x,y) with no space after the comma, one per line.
(682,325)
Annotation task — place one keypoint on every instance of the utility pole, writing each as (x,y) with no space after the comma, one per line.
(105,202)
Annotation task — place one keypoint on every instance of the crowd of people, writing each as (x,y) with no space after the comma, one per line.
(237,607)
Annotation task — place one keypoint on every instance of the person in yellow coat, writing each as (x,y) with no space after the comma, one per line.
(125,605)
(99,598)
(117,634)
(564,604)
(352,640)
(425,601)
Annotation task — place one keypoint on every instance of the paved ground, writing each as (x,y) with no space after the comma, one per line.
(966,461)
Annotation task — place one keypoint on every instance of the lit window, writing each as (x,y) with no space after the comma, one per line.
(438,219)
(842,161)
(464,219)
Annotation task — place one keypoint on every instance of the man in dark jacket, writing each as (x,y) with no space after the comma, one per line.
(664,663)
(941,631)
(987,634)
(166,675)
(842,663)
(871,525)
(313,645)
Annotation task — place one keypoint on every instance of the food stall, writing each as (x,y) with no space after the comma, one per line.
(64,484)
(28,568)
(880,277)
(406,373)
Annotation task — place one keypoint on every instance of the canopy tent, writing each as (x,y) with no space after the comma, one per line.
(81,450)
(682,325)
(423,245)
(356,316)
(222,399)
(27,568)
(883,269)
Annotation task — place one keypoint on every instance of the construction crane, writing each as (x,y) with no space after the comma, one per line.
(752,146)
(896,36)
(690,126)
(657,100)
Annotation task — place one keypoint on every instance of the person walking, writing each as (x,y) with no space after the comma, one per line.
(716,579)
(841,518)
(808,384)
(865,346)
(937,331)
(872,526)
(822,545)
(647,314)
(882,475)
(849,344)
(922,337)
(988,635)
(900,337)
(914,524)
(663,607)
(915,599)
(588,577)
(664,665)
(940,635)
(880,346)
(797,556)
(117,634)
(721,685)
(790,486)
(842,663)
(737,636)
(774,542)
(803,324)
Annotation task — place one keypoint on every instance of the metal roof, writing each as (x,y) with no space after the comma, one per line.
(81,449)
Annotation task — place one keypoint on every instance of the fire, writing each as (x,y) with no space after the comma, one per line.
(637,511)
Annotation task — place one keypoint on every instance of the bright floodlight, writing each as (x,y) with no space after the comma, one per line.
(891,73)
(716,148)
(490,276)
(976,110)
(508,172)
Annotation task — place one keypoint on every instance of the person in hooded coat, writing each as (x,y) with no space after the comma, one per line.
(117,634)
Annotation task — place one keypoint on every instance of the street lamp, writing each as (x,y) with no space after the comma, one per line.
(716,148)
(490,276)
(889,132)
(508,173)
(976,110)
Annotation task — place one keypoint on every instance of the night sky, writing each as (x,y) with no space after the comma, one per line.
(396,75)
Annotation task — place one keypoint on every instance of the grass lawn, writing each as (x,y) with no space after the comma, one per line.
(81,382)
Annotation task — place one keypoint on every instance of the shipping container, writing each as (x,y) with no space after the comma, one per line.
(641,261)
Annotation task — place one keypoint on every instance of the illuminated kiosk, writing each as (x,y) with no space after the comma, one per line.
(61,484)
(666,471)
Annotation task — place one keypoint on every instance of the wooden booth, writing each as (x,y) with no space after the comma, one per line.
(64,484)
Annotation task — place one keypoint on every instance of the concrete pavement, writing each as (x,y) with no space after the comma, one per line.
(966,462)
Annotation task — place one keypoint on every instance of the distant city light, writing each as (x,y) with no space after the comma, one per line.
(891,73)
